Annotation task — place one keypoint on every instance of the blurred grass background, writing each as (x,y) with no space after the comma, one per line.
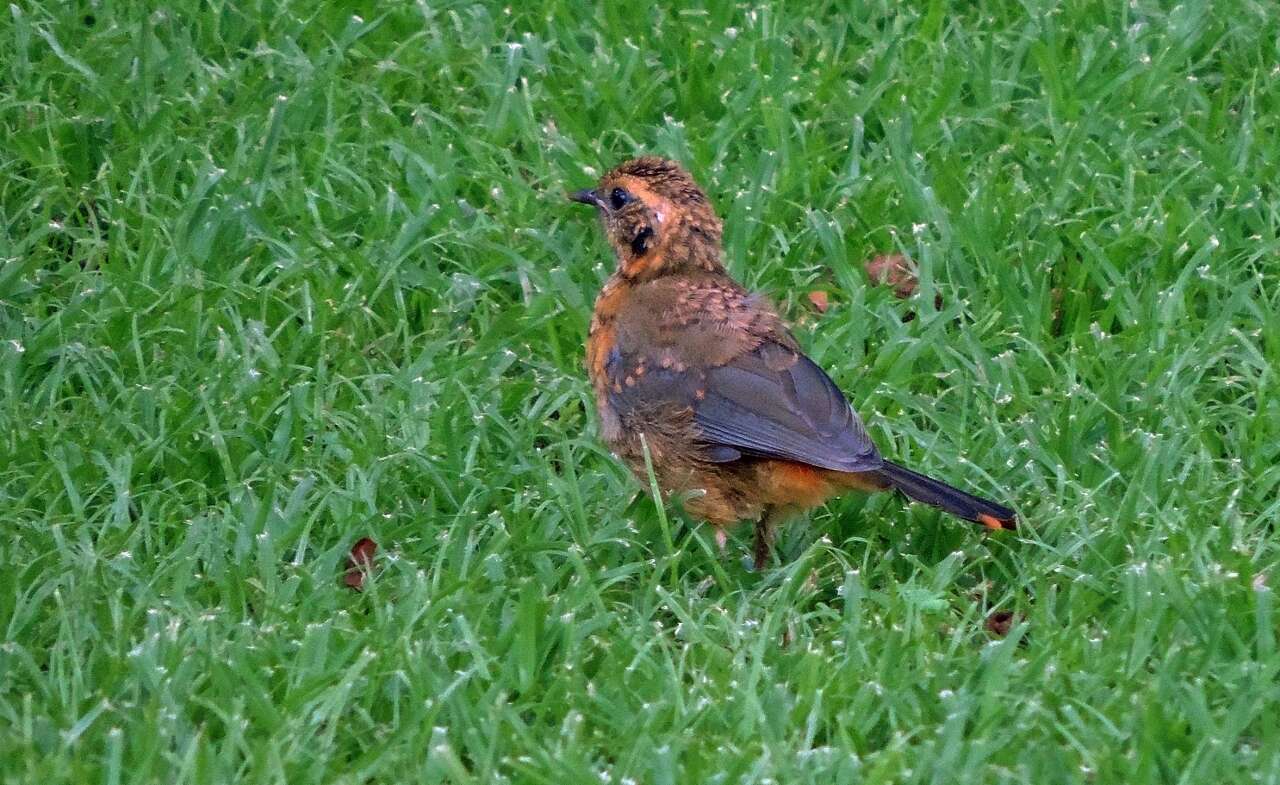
(275,277)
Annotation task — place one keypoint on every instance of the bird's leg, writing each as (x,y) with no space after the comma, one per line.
(764,538)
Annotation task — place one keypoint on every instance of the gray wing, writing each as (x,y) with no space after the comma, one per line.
(772,402)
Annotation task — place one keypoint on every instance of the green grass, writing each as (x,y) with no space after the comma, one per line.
(274,278)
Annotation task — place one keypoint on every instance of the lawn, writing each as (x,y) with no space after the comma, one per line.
(275,277)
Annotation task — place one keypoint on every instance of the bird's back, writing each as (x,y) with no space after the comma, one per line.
(700,348)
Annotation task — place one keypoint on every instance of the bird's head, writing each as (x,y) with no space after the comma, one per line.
(656,218)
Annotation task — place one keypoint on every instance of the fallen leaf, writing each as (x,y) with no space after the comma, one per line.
(999,622)
(896,270)
(361,561)
(818,299)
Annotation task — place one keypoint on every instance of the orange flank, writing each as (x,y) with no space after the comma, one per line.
(796,484)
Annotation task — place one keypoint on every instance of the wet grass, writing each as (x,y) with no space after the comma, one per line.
(274,278)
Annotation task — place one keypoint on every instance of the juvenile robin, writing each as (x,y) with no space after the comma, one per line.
(737,419)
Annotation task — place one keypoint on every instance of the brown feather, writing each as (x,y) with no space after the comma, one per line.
(682,358)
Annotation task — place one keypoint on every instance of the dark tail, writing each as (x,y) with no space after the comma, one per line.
(952,500)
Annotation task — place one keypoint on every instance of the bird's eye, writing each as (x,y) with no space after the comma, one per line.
(619,198)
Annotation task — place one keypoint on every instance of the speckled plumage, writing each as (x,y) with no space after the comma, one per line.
(737,420)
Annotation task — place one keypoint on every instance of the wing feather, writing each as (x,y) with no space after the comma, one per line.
(777,403)
(772,402)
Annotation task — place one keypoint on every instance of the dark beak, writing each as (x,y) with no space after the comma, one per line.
(586,196)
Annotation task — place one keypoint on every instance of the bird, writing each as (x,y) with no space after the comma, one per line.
(705,377)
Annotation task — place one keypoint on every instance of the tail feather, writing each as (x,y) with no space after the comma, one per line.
(948,499)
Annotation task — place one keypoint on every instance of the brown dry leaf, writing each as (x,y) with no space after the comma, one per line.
(819,300)
(361,561)
(999,622)
(896,270)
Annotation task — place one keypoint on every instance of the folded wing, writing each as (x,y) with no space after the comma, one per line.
(771,402)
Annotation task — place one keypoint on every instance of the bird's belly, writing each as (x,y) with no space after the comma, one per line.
(718,493)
